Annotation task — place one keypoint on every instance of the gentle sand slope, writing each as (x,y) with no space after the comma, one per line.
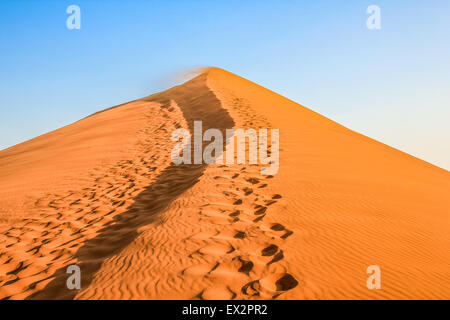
(102,193)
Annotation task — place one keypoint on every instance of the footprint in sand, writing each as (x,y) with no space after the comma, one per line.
(271,286)
(279,228)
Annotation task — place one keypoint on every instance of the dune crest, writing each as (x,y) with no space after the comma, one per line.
(102,193)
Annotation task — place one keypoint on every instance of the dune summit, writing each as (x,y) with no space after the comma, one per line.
(103,194)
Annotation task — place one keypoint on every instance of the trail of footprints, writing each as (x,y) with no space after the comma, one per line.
(230,248)
(243,257)
(33,249)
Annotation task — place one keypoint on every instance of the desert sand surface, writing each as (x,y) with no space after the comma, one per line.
(104,194)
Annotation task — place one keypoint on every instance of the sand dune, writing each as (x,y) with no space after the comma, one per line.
(102,193)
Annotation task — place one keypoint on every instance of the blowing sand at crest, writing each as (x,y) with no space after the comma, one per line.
(102,193)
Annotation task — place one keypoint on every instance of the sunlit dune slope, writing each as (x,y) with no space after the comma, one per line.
(102,193)
(354,202)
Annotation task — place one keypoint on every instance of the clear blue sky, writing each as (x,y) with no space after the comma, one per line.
(391,84)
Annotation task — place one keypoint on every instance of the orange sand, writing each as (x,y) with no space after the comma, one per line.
(102,193)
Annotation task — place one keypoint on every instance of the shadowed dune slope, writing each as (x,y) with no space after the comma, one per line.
(102,193)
